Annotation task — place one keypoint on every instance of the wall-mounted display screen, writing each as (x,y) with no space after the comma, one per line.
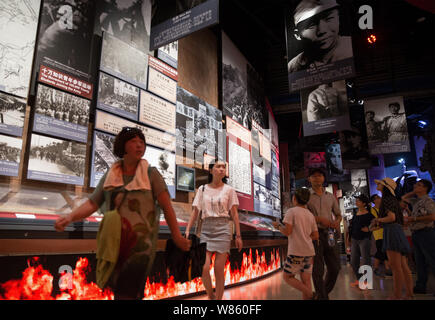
(185,179)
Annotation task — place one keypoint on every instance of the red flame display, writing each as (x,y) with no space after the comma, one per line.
(37,283)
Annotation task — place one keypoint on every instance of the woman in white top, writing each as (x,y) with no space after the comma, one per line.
(218,203)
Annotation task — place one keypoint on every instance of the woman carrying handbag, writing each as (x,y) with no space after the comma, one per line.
(216,203)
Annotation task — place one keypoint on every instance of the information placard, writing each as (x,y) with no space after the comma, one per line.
(157,112)
(162,85)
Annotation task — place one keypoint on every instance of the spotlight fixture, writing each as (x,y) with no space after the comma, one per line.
(349,84)
(422,124)
(352,100)
(401,161)
(371,39)
(361,102)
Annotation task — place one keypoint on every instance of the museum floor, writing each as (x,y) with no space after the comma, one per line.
(273,287)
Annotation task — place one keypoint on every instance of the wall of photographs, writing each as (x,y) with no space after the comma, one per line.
(91,71)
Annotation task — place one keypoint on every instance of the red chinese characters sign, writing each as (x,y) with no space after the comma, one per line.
(65,82)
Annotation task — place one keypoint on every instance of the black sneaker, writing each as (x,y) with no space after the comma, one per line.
(419,290)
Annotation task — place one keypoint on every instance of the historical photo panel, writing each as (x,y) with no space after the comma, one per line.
(102,156)
(118,97)
(319,45)
(65,37)
(169,54)
(387,129)
(12,112)
(120,59)
(61,114)
(10,153)
(56,160)
(127,20)
(164,161)
(240,171)
(198,128)
(242,88)
(18,21)
(325,108)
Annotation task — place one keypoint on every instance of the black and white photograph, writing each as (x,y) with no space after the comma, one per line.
(242,89)
(355,186)
(169,54)
(325,108)
(10,153)
(319,45)
(12,112)
(19,23)
(61,114)
(164,161)
(263,200)
(198,127)
(174,19)
(354,147)
(275,182)
(56,160)
(65,36)
(102,156)
(276,209)
(118,97)
(127,20)
(334,165)
(387,129)
(120,59)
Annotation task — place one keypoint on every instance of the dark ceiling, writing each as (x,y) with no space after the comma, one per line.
(402,62)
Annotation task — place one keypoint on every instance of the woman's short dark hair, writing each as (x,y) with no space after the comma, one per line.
(364,199)
(210,166)
(126,134)
(427,184)
(373,197)
(302,195)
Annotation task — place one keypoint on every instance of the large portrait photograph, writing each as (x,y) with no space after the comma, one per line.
(387,129)
(65,36)
(127,20)
(325,108)
(319,45)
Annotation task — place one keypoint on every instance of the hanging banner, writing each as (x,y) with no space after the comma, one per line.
(315,55)
(334,165)
(353,142)
(314,160)
(19,22)
(324,109)
(387,130)
(173,19)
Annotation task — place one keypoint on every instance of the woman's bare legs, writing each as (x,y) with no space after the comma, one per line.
(407,276)
(395,260)
(206,279)
(219,272)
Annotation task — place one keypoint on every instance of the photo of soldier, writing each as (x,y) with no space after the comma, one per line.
(62,106)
